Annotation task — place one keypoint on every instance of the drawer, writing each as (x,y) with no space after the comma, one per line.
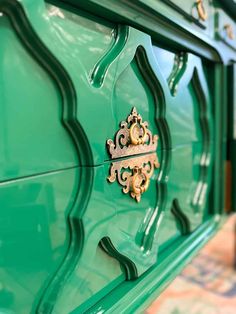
(196,11)
(129,139)
(197,15)
(225,29)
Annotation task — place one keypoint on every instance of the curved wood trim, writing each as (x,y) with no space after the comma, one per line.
(37,49)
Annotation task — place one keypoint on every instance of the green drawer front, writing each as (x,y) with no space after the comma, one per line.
(193,15)
(69,237)
(195,11)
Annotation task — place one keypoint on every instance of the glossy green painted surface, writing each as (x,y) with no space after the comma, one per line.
(33,235)
(185,13)
(170,29)
(222,20)
(232,132)
(70,241)
(29,101)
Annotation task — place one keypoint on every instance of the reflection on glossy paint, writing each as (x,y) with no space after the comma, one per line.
(27,148)
(32,234)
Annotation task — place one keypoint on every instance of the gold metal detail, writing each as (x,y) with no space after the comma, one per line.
(133,138)
(136,179)
(229,31)
(137,133)
(201,10)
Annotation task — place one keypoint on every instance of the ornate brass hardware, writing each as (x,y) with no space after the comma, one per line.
(133,138)
(136,179)
(202,14)
(134,133)
(229,31)
(140,182)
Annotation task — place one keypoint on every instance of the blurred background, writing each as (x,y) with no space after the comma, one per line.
(208,284)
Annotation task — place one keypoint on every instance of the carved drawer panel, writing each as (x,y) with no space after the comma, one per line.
(118,175)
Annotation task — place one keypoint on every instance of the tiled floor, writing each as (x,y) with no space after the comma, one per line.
(208,284)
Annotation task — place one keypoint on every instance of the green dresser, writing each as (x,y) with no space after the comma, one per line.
(113,148)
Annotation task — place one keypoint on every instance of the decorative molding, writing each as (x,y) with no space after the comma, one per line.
(121,35)
(199,197)
(190,72)
(144,252)
(37,49)
(181,219)
(129,266)
(179,67)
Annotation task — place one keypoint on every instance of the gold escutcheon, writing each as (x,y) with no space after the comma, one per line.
(202,14)
(136,140)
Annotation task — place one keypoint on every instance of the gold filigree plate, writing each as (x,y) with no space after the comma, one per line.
(133,138)
(136,181)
